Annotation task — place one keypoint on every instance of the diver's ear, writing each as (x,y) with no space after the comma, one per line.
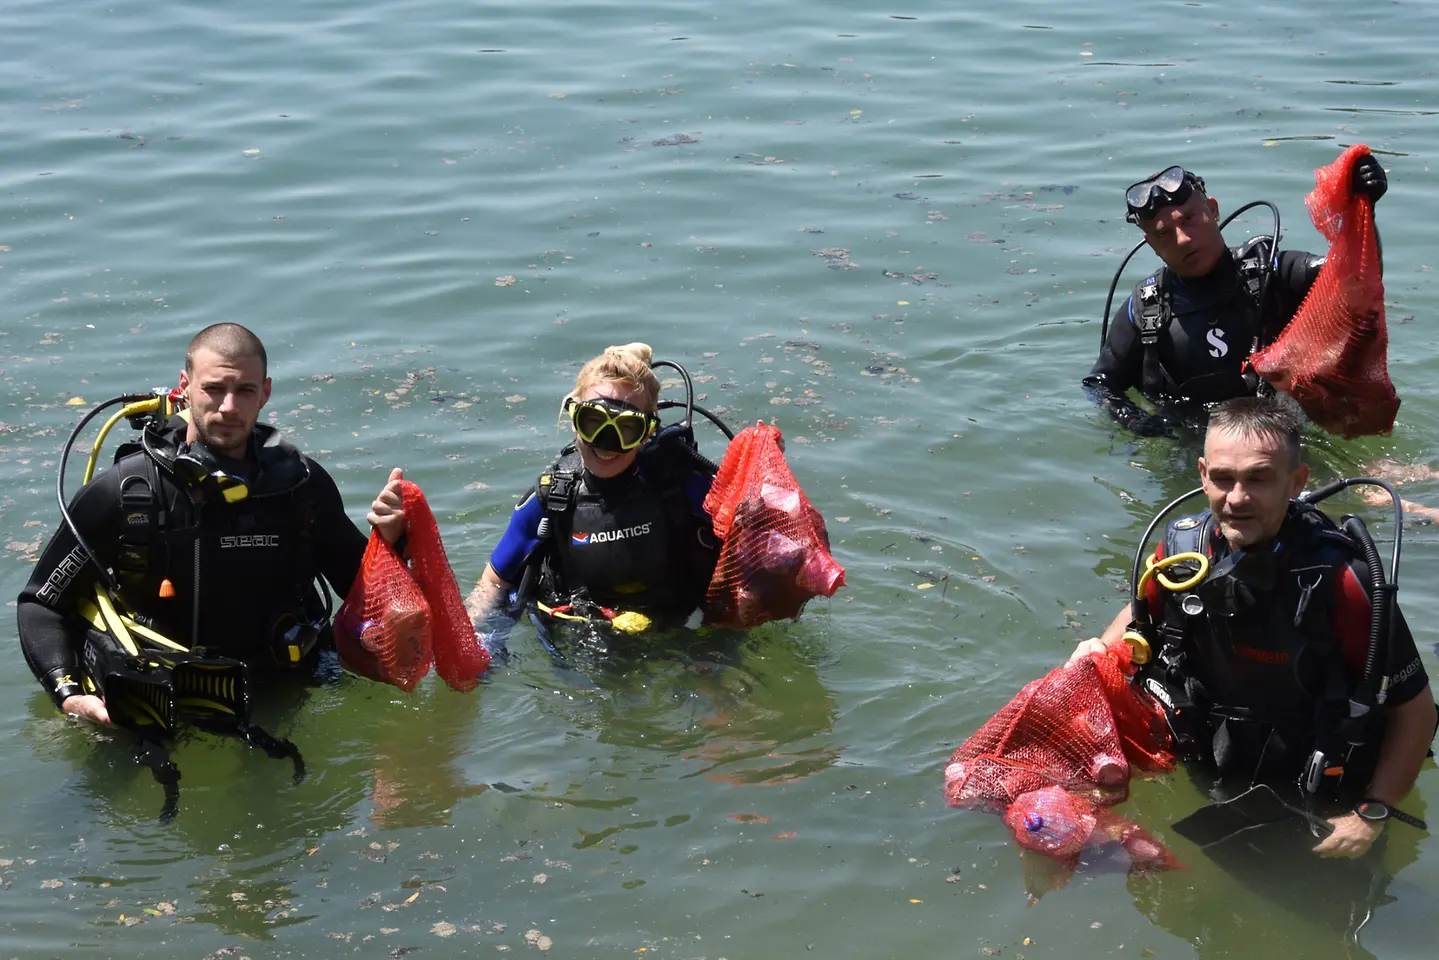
(1301,478)
(1213,208)
(265,392)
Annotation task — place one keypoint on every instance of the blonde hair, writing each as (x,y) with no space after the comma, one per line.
(629,365)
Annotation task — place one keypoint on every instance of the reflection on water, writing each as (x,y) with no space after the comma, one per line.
(892,235)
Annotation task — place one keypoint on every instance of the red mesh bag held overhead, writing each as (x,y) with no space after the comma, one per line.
(775,555)
(1055,755)
(398,620)
(1332,357)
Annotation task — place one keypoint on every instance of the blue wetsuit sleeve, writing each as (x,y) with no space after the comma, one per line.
(520,538)
(696,490)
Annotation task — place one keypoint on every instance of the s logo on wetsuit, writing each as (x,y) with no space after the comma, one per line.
(1217,346)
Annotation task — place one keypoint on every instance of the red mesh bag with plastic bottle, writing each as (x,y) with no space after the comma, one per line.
(1332,357)
(775,555)
(1061,750)
(398,620)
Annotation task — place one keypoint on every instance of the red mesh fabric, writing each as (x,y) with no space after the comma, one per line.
(383,628)
(460,658)
(775,555)
(1332,355)
(397,620)
(1058,751)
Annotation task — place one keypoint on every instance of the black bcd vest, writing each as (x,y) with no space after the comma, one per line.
(631,543)
(1154,311)
(1252,661)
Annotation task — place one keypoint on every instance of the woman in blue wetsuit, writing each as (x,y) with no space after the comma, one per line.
(617,523)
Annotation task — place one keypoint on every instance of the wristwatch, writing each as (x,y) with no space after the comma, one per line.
(1378,811)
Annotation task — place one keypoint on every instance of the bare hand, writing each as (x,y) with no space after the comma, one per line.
(387,513)
(1086,647)
(1352,837)
(87,707)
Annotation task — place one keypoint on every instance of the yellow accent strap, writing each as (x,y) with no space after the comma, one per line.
(560,616)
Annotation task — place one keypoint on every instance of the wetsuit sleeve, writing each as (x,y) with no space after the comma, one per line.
(52,636)
(1118,368)
(1153,598)
(1403,667)
(338,544)
(519,540)
(696,490)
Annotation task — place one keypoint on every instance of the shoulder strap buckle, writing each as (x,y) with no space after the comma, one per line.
(1153,311)
(560,495)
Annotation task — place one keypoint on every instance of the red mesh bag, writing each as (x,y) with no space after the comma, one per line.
(1332,356)
(398,620)
(776,549)
(1059,751)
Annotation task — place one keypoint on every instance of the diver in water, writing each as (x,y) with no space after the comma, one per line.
(1183,334)
(617,524)
(1274,644)
(206,536)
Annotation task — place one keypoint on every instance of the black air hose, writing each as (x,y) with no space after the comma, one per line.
(1381,595)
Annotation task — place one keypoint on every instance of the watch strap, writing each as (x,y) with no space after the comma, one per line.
(1394,813)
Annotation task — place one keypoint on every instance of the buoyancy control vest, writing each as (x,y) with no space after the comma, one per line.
(629,543)
(1249,663)
(1215,330)
(246,567)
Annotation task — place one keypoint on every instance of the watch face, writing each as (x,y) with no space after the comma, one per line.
(1373,810)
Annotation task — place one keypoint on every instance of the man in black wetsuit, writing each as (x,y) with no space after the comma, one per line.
(1181,338)
(214,532)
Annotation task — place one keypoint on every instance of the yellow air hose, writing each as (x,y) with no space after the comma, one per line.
(1138,643)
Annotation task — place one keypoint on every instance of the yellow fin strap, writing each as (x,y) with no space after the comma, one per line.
(114,623)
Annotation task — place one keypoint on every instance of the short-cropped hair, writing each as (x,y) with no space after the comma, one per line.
(230,341)
(1268,417)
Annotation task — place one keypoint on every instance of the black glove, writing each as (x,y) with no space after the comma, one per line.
(1368,178)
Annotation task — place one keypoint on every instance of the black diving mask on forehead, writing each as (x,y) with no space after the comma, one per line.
(1169,187)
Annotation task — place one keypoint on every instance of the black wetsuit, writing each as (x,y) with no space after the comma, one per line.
(235,568)
(1214,322)
(1273,657)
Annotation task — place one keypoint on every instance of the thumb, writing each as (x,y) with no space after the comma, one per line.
(396,474)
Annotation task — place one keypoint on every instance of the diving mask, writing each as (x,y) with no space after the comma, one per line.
(1169,187)
(610,424)
(198,468)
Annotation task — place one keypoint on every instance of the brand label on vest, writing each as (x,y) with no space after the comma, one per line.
(255,540)
(1217,346)
(609,536)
